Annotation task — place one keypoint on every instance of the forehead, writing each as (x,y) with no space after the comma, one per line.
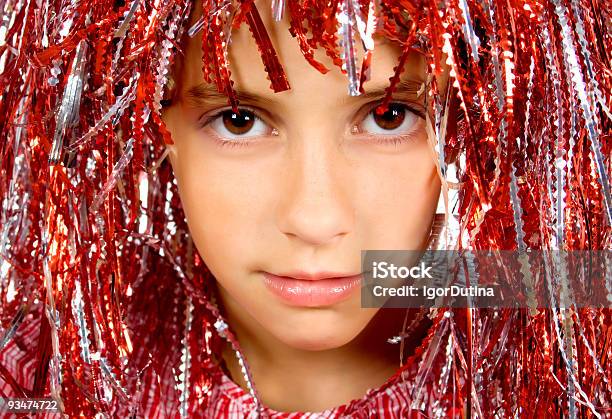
(249,75)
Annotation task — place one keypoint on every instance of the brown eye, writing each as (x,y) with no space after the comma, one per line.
(392,118)
(241,125)
(238,123)
(396,120)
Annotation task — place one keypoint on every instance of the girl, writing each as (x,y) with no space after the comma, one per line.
(207,175)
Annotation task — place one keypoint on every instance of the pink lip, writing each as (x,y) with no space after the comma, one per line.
(312,290)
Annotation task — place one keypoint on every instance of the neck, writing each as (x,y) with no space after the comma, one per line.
(290,379)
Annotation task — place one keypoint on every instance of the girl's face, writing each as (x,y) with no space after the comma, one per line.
(289,191)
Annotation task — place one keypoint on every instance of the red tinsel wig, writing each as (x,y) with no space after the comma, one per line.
(105,302)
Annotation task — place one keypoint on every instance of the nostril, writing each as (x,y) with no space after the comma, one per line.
(316,226)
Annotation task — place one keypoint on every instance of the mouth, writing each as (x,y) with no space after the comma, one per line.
(316,289)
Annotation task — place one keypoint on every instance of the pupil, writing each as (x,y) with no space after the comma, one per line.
(238,123)
(392,118)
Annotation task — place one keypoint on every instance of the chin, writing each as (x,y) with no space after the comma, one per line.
(319,329)
(315,340)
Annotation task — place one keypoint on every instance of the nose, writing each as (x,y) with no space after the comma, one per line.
(315,207)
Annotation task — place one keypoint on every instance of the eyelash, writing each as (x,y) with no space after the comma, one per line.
(205,120)
(389,139)
(396,140)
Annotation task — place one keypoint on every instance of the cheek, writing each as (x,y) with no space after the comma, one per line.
(225,203)
(398,198)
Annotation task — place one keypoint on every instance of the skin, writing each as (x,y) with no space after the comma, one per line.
(318,183)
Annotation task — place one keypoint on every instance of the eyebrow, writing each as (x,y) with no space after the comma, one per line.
(404,86)
(207,93)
